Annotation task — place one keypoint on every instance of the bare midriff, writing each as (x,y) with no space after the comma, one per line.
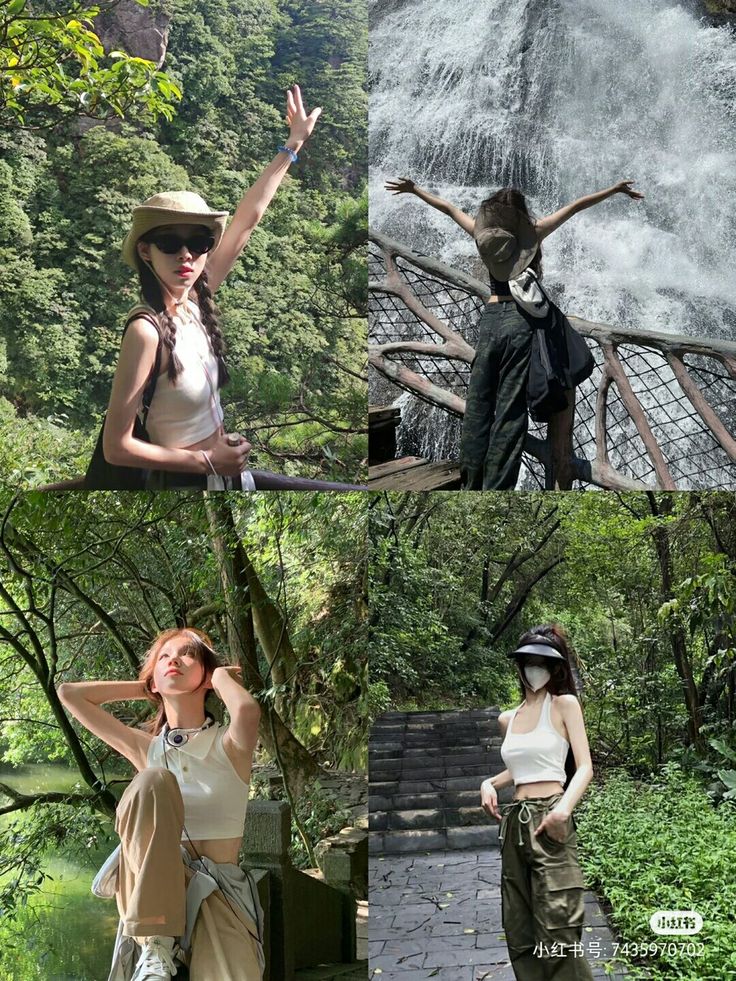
(207,443)
(499,299)
(545,788)
(217,849)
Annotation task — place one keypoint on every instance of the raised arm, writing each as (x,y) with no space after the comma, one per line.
(258,197)
(406,186)
(545,226)
(83,700)
(245,714)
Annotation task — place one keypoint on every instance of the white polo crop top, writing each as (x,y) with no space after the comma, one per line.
(188,410)
(532,757)
(215,797)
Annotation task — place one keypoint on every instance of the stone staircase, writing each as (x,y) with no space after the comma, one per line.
(425,772)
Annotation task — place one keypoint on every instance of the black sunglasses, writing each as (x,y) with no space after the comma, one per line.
(171,243)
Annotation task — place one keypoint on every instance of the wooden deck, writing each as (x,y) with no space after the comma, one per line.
(413,473)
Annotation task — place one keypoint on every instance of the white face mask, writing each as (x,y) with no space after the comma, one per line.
(536,677)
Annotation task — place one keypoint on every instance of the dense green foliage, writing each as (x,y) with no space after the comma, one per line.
(294,306)
(456,579)
(87,580)
(54,67)
(659,845)
(645,585)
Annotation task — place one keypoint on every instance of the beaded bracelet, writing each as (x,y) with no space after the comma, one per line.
(293,156)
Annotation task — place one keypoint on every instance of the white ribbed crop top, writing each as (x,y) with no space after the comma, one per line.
(215,797)
(185,412)
(532,757)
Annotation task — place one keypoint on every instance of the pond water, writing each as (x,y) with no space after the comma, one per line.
(65,933)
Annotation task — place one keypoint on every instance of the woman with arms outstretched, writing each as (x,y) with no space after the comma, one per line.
(180,892)
(545,749)
(509,242)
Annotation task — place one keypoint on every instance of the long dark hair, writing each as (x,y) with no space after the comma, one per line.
(513,197)
(198,644)
(563,680)
(153,295)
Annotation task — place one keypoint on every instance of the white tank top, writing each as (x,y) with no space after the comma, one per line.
(215,797)
(186,411)
(532,757)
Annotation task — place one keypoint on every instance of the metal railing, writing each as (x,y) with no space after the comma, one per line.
(659,411)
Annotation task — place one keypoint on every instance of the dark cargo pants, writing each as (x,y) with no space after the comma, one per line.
(541,896)
(495,422)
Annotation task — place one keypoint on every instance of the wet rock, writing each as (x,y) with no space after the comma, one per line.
(720,11)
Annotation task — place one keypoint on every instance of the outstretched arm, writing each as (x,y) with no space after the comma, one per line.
(545,226)
(258,197)
(83,700)
(406,186)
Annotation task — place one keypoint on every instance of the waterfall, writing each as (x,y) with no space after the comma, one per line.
(562,98)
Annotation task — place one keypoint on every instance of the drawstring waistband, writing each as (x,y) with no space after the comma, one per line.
(526,806)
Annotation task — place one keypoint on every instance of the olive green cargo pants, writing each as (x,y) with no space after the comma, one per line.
(541,896)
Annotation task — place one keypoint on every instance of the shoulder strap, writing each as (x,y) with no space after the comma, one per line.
(511,720)
(544,716)
(142,310)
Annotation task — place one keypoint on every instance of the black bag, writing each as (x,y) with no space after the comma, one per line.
(102,475)
(560,360)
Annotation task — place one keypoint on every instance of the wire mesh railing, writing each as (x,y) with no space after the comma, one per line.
(659,410)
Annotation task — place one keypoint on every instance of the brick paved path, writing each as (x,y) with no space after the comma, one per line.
(417,931)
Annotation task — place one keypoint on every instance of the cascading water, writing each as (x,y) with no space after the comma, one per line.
(562,98)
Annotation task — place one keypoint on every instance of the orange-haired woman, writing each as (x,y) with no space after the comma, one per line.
(181,895)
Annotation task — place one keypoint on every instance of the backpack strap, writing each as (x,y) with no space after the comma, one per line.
(147,313)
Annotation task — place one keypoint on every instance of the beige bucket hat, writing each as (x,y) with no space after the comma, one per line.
(172,208)
(506,239)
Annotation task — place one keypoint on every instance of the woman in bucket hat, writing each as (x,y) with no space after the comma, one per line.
(509,242)
(164,418)
(181,894)
(545,749)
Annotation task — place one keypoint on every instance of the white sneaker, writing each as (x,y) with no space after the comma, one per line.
(156,962)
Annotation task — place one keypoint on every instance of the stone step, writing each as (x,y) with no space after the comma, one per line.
(390,788)
(395,718)
(439,737)
(395,751)
(434,773)
(450,729)
(430,819)
(437,840)
(429,723)
(397,763)
(419,802)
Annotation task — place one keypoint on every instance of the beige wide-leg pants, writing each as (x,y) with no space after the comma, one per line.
(152,880)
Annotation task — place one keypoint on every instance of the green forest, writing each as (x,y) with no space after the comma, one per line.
(645,585)
(86,581)
(87,134)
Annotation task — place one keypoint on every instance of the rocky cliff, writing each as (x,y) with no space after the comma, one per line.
(141,31)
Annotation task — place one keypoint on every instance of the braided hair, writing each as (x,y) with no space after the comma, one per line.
(211,319)
(153,295)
